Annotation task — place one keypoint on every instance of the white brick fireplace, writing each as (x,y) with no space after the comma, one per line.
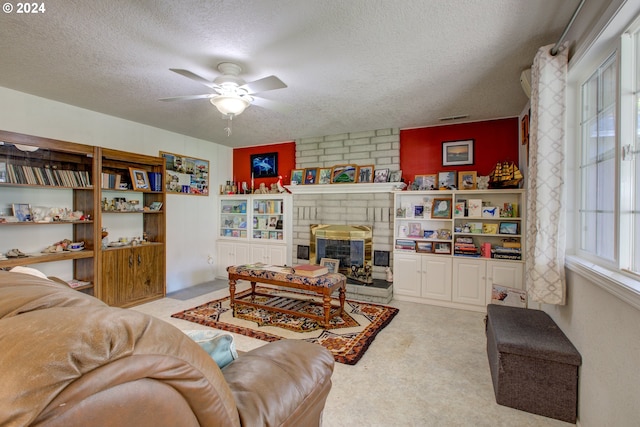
(347,204)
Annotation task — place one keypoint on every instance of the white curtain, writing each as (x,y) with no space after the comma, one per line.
(545,235)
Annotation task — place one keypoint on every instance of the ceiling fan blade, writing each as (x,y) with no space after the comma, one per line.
(188,74)
(264,84)
(271,105)
(189,97)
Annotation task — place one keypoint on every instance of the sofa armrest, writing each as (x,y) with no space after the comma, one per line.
(283,383)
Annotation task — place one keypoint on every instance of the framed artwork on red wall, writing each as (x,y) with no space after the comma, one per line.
(264,165)
(456,153)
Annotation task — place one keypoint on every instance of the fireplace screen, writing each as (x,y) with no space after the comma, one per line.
(351,244)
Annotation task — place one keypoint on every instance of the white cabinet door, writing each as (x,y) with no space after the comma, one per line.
(407,274)
(469,281)
(230,253)
(278,255)
(269,254)
(436,277)
(259,253)
(502,273)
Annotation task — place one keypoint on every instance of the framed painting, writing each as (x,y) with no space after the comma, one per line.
(310,175)
(186,175)
(424,247)
(365,173)
(324,175)
(467,180)
(343,174)
(264,165)
(441,208)
(426,182)
(456,153)
(333,265)
(447,180)
(381,175)
(395,176)
(296,176)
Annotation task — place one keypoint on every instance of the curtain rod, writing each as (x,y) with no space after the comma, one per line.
(554,49)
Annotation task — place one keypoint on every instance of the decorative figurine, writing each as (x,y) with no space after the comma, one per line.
(389,274)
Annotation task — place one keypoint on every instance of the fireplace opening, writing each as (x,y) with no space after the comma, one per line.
(351,244)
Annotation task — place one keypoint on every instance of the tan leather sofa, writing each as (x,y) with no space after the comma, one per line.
(67,359)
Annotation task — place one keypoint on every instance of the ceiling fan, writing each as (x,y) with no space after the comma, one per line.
(232,95)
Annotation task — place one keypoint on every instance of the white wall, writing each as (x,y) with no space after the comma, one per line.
(605,331)
(191,220)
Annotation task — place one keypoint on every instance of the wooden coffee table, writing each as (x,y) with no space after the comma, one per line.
(323,285)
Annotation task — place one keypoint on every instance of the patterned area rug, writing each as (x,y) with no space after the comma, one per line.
(348,338)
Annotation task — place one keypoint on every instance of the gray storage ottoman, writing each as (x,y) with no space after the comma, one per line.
(534,366)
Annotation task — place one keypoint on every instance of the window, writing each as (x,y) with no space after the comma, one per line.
(597,166)
(610,159)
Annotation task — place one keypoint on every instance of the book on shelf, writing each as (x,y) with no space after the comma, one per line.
(310,270)
(406,244)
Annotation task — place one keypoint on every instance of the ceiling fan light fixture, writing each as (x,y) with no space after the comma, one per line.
(231,104)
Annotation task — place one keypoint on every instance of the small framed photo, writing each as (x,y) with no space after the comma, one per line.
(426,182)
(365,173)
(139,179)
(467,180)
(273,222)
(424,247)
(22,211)
(264,165)
(381,175)
(457,153)
(508,228)
(324,176)
(333,265)
(155,206)
(415,229)
(296,176)
(447,180)
(395,176)
(442,247)
(441,208)
(310,175)
(343,174)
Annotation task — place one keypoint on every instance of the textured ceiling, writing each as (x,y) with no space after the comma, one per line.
(349,65)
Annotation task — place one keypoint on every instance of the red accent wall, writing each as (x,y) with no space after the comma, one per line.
(494,140)
(286,161)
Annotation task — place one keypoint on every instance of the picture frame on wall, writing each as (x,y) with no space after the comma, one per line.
(264,165)
(310,175)
(296,176)
(467,180)
(365,173)
(324,175)
(186,175)
(457,153)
